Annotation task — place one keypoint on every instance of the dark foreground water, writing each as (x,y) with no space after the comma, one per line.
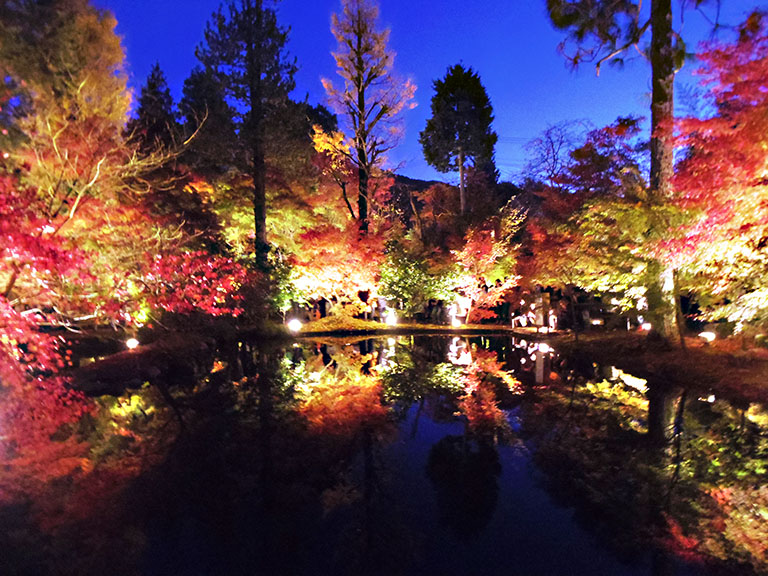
(420,455)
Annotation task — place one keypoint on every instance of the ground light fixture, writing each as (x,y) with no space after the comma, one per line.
(294,325)
(132,343)
(708,336)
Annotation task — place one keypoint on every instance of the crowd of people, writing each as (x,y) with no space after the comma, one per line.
(543,308)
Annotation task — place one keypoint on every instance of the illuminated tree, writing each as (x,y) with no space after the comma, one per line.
(722,180)
(460,127)
(245,48)
(370,97)
(603,31)
(64,65)
(592,227)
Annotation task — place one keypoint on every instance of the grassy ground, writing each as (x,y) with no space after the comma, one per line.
(347,325)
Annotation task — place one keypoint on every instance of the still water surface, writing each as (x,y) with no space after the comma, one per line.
(416,455)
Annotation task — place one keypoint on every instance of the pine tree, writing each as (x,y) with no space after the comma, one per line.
(155,126)
(245,48)
(210,122)
(460,127)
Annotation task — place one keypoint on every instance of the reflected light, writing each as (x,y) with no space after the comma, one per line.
(132,343)
(708,336)
(294,325)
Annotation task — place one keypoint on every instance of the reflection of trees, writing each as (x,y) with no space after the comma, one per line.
(668,469)
(465,469)
(79,523)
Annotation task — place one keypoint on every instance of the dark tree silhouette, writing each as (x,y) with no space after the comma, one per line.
(460,127)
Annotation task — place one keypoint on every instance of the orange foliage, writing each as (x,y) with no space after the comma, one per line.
(342,407)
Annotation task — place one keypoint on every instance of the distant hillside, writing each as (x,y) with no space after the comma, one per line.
(414,183)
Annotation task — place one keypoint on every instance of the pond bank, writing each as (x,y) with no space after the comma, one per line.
(721,366)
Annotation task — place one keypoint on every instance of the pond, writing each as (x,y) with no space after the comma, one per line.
(409,455)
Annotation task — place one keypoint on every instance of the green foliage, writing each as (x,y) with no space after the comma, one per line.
(407,279)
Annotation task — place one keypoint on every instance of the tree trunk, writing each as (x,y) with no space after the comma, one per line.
(662,103)
(363,164)
(661,300)
(679,312)
(462,189)
(260,246)
(362,196)
(416,216)
(664,405)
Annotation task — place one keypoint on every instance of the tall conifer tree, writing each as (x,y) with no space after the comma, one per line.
(244,47)
(460,127)
(155,126)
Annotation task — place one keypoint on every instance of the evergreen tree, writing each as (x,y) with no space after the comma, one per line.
(209,120)
(244,48)
(155,126)
(460,127)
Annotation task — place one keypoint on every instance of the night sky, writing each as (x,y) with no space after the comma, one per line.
(509,42)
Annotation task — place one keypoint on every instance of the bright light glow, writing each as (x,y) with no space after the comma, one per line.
(708,336)
(544,330)
(455,322)
(711,398)
(646,326)
(638,384)
(132,343)
(597,321)
(545,348)
(391,318)
(294,325)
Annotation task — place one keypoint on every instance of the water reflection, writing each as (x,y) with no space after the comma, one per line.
(409,455)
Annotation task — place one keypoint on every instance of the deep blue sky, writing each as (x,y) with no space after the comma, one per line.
(510,43)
